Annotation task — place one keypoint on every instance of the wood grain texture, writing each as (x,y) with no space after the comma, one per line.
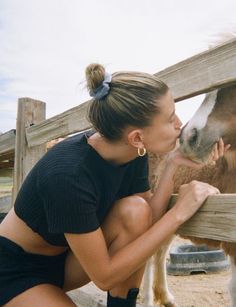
(216,219)
(68,122)
(203,72)
(7,144)
(30,112)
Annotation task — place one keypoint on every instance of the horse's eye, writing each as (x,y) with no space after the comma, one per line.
(193,138)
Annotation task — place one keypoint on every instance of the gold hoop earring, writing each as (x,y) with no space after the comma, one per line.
(142,152)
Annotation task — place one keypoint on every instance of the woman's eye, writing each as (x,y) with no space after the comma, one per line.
(172,119)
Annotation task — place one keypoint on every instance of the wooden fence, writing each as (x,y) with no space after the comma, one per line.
(199,74)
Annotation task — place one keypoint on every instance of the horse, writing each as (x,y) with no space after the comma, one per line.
(214,119)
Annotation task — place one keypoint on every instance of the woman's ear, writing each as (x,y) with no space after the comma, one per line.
(135,138)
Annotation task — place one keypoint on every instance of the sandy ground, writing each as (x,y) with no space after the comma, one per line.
(201,290)
(189,291)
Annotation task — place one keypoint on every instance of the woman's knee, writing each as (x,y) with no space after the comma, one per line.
(135,214)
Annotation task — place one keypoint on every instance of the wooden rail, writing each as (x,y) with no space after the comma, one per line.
(7,144)
(203,72)
(216,219)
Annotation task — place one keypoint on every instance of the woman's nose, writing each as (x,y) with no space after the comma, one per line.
(178,122)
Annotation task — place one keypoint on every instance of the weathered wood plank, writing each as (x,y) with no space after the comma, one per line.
(68,122)
(8,172)
(30,111)
(6,164)
(7,156)
(203,72)
(7,143)
(216,219)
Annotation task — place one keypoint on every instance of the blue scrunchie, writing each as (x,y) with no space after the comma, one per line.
(103,89)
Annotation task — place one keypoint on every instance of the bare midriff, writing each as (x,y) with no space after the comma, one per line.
(16,230)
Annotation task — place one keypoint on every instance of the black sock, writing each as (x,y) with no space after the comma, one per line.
(129,301)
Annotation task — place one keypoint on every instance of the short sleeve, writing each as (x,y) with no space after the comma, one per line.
(70,204)
(141,182)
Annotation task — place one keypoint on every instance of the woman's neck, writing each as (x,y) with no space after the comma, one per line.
(118,152)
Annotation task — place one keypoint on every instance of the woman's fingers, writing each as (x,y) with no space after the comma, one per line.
(227,147)
(219,149)
(214,190)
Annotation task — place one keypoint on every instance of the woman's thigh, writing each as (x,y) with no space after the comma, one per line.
(75,276)
(124,213)
(41,295)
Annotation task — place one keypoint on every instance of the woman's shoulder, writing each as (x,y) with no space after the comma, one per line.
(67,157)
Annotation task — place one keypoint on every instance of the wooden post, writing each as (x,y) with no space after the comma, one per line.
(29,112)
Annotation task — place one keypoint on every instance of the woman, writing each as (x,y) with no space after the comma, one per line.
(85,211)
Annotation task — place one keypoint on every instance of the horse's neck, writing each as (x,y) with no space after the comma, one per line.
(156,167)
(230,158)
(224,177)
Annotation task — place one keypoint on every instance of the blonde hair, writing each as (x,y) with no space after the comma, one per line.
(132,100)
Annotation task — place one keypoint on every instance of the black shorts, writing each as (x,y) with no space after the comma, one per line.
(20,270)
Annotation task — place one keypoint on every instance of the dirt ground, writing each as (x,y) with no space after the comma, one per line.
(189,291)
(201,290)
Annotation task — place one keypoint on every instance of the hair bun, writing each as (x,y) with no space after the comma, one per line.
(95,74)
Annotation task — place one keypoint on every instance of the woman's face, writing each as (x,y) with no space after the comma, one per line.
(162,134)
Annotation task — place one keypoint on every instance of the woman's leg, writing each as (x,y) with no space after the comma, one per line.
(75,276)
(128,219)
(41,295)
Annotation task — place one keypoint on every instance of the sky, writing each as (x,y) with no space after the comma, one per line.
(45,45)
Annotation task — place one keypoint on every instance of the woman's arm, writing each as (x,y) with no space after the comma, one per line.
(108,270)
(160,198)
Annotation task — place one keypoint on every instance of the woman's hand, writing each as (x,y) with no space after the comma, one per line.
(219,149)
(191,197)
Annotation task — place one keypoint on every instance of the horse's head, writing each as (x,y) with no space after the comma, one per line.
(215,118)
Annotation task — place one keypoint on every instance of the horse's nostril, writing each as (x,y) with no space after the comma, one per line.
(193,137)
